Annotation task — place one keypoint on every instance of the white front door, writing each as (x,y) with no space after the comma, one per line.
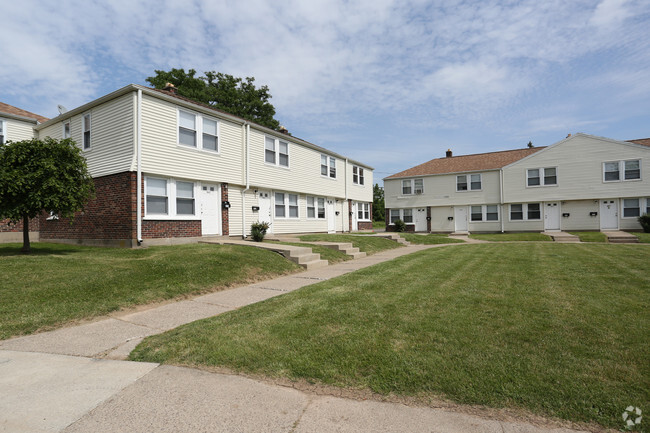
(331,216)
(421,219)
(608,215)
(552,216)
(210,211)
(355,216)
(460,218)
(264,203)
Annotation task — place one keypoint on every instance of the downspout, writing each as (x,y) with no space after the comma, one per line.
(246,127)
(501,198)
(138,146)
(344,211)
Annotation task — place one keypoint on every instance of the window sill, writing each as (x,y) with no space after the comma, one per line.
(268,164)
(327,177)
(197,149)
(541,186)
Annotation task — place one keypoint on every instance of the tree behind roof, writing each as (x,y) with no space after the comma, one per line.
(222,91)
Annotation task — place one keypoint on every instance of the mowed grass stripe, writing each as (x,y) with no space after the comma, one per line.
(560,330)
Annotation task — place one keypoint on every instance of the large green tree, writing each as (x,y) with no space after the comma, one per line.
(42,175)
(223,91)
(378,205)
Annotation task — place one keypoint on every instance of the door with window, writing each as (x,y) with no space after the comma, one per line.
(264,214)
(210,215)
(421,219)
(608,215)
(460,219)
(552,217)
(331,216)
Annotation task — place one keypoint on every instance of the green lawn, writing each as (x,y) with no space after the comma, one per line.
(329,254)
(510,237)
(559,330)
(379,225)
(60,283)
(643,237)
(367,244)
(590,236)
(429,239)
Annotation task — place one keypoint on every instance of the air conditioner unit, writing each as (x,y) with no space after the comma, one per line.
(418,192)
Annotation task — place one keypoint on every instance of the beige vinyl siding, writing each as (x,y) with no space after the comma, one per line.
(440,190)
(521,226)
(18,130)
(302,224)
(303,174)
(579,218)
(235,211)
(579,161)
(360,192)
(440,219)
(162,154)
(55,130)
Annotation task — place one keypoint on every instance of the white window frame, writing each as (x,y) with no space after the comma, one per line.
(198,130)
(276,152)
(525,211)
(331,165)
(172,197)
(621,170)
(286,205)
(401,216)
(3,128)
(316,205)
(363,211)
(193,198)
(639,207)
(541,171)
(468,182)
(484,214)
(63,127)
(203,133)
(83,131)
(411,185)
(358,175)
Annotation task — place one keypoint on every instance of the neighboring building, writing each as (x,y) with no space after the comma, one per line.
(581,183)
(201,172)
(15,125)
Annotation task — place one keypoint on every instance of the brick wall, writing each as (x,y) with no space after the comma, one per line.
(110,215)
(365,225)
(225,223)
(6,227)
(170,229)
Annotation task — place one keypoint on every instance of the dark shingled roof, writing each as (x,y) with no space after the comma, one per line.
(10,109)
(643,141)
(476,162)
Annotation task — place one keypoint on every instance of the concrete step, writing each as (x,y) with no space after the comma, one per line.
(315,264)
(304,258)
(392,236)
(614,240)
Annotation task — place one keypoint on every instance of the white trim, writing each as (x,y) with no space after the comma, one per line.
(198,131)
(83,132)
(361,176)
(364,205)
(276,152)
(640,207)
(468,182)
(524,210)
(63,125)
(541,172)
(316,207)
(484,213)
(329,160)
(3,125)
(401,215)
(286,205)
(171,200)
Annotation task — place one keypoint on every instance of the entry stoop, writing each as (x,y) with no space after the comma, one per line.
(562,237)
(345,247)
(619,237)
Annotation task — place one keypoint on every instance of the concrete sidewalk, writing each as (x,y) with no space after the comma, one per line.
(55,381)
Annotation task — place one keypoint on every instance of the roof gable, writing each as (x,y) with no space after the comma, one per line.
(463,163)
(15,111)
(642,141)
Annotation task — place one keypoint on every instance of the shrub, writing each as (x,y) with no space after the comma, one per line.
(645,222)
(258,231)
(399,226)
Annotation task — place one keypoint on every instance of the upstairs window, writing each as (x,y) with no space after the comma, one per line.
(357,175)
(406,187)
(541,176)
(157,200)
(210,138)
(412,186)
(66,130)
(86,131)
(184,198)
(418,186)
(187,129)
(276,152)
(631,170)
(475,182)
(328,166)
(3,133)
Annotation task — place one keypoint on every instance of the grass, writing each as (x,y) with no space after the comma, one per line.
(429,239)
(590,236)
(643,237)
(329,254)
(510,237)
(61,283)
(367,244)
(379,225)
(558,330)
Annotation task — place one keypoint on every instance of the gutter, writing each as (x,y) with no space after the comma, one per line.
(246,129)
(138,146)
(501,199)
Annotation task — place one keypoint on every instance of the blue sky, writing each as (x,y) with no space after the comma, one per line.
(389,83)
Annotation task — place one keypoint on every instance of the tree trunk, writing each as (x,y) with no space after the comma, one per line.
(26,247)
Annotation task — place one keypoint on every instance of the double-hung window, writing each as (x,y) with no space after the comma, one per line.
(484,212)
(418,186)
(316,207)
(407,187)
(363,211)
(631,170)
(631,207)
(276,152)
(210,138)
(3,131)
(412,186)
(328,166)
(405,215)
(184,198)
(525,212)
(157,202)
(198,131)
(284,201)
(86,131)
(647,205)
(280,208)
(541,176)
(357,175)
(66,130)
(293,205)
(395,214)
(187,129)
(471,182)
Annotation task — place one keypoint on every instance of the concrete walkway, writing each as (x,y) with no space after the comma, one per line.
(72,379)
